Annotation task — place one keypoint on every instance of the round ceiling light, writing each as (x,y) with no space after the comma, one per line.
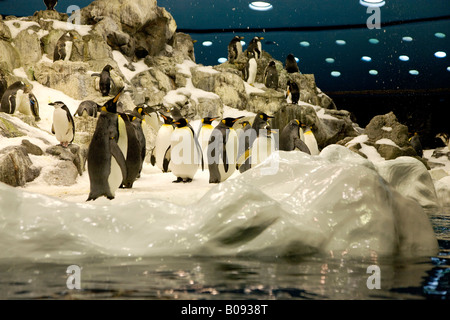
(329,60)
(222,60)
(341,42)
(414,72)
(305,44)
(374,41)
(335,74)
(439,35)
(373,72)
(407,39)
(260,6)
(372,3)
(404,58)
(440,54)
(366,58)
(207,43)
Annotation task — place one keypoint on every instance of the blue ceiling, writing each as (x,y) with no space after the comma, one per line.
(309,29)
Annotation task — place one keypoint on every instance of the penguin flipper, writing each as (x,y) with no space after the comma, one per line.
(118,155)
(166,160)
(53,129)
(300,145)
(95,75)
(153,158)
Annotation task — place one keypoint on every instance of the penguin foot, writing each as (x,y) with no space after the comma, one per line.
(187,180)
(178,180)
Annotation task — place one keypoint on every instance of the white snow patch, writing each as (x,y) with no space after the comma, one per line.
(139,66)
(359,139)
(83,30)
(388,129)
(322,115)
(387,141)
(23,25)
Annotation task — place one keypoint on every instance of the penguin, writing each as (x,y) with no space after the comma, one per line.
(34,106)
(416,144)
(88,108)
(105,80)
(250,69)
(234,49)
(290,138)
(444,137)
(63,47)
(16,98)
(243,138)
(50,4)
(63,126)
(185,151)
(204,133)
(262,146)
(271,76)
(133,156)
(162,143)
(310,140)
(290,64)
(105,159)
(175,113)
(292,92)
(3,83)
(137,123)
(222,150)
(255,47)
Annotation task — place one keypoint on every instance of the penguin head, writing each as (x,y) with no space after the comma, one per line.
(57,104)
(111,104)
(264,116)
(167,119)
(208,120)
(245,123)
(107,68)
(250,55)
(272,63)
(180,123)
(229,121)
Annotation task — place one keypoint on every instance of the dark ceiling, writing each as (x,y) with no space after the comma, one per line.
(309,29)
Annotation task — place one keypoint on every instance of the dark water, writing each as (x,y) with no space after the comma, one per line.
(187,278)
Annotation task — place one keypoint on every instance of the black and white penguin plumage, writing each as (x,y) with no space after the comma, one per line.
(50,4)
(160,156)
(34,106)
(63,126)
(271,76)
(416,144)
(15,98)
(204,133)
(185,151)
(105,80)
(310,139)
(290,138)
(292,92)
(106,154)
(250,69)
(255,47)
(290,64)
(63,47)
(3,84)
(88,108)
(234,49)
(222,150)
(444,137)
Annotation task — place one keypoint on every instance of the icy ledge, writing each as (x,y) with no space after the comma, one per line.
(335,203)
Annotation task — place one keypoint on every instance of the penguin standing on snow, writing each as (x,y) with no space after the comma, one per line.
(290,138)
(63,47)
(105,159)
(222,150)
(63,126)
(250,69)
(204,133)
(50,4)
(162,143)
(234,49)
(185,151)
(290,64)
(255,47)
(271,76)
(292,92)
(17,98)
(105,80)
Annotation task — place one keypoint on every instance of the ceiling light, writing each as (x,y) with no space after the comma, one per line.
(413,72)
(260,6)
(329,60)
(335,74)
(374,41)
(404,58)
(373,72)
(448,68)
(243,43)
(366,58)
(207,43)
(222,60)
(296,59)
(440,54)
(341,42)
(304,44)
(372,3)
(407,39)
(439,35)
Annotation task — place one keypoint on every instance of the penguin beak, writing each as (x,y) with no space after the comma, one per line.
(237,119)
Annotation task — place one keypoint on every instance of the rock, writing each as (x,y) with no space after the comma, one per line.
(231,90)
(63,174)
(10,57)
(5,33)
(153,82)
(183,46)
(28,45)
(32,148)
(443,191)
(72,153)
(8,129)
(16,167)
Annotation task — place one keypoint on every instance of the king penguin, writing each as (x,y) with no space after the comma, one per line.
(50,4)
(204,133)
(105,80)
(290,64)
(262,147)
(290,138)
(310,141)
(292,92)
(16,98)
(255,47)
(185,151)
(235,49)
(162,143)
(63,47)
(133,156)
(271,76)
(63,126)
(106,154)
(250,69)
(222,150)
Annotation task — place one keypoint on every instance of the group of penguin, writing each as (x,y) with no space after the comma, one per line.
(254,53)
